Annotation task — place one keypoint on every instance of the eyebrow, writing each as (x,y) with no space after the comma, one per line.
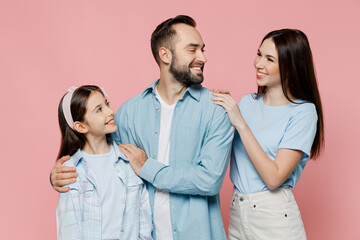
(271,56)
(195,45)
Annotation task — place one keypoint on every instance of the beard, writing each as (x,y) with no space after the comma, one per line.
(182,73)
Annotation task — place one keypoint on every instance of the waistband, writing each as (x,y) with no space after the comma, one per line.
(278,193)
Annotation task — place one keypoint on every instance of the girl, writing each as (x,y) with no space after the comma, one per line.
(107,201)
(278,129)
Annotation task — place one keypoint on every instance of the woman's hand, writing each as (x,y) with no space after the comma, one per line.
(224,99)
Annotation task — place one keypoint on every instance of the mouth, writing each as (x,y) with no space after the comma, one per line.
(260,75)
(110,122)
(197,68)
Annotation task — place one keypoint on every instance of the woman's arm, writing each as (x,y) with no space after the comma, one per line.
(273,173)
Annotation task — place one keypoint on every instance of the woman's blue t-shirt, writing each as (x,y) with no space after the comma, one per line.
(291,126)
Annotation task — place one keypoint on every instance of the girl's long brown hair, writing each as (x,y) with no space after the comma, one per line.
(71,140)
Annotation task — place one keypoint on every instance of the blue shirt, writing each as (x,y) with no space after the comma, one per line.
(201,137)
(79,211)
(291,126)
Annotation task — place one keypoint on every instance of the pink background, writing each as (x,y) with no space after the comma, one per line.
(47,46)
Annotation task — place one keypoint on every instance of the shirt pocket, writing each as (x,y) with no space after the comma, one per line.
(132,206)
(89,202)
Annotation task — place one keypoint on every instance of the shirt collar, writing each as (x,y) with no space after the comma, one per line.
(79,156)
(194,90)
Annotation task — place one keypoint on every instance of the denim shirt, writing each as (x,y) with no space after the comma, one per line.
(201,136)
(78,213)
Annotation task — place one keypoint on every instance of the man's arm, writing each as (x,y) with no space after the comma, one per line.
(62,175)
(203,178)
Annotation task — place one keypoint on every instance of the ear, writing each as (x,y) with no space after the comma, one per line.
(165,55)
(80,127)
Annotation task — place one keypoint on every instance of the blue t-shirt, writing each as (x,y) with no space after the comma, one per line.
(291,126)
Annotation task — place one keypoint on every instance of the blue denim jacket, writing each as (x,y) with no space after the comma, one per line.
(201,137)
(78,213)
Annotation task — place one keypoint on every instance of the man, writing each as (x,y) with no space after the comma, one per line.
(187,139)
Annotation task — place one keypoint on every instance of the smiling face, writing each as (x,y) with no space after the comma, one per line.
(188,59)
(267,65)
(99,117)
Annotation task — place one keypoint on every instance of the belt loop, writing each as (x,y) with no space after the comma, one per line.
(286,194)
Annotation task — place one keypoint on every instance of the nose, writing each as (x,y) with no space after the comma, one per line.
(110,112)
(201,57)
(258,63)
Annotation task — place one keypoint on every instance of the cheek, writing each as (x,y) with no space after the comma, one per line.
(273,70)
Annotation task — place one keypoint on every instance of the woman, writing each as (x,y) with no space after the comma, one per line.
(278,130)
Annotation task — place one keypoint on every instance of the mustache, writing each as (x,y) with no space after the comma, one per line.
(196,64)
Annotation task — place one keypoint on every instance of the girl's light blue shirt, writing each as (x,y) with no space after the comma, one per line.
(291,126)
(79,211)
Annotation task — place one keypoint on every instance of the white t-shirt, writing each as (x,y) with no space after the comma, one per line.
(106,181)
(162,219)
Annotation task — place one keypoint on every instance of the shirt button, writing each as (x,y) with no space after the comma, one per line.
(157,108)
(241,199)
(156,132)
(154,156)
(150,203)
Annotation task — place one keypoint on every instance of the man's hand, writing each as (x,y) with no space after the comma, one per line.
(62,175)
(136,156)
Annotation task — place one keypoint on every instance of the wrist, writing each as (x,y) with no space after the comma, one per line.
(240,126)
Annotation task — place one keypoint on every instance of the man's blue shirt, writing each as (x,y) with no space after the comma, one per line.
(201,137)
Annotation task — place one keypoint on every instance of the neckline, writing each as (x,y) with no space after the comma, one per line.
(162,100)
(280,106)
(99,154)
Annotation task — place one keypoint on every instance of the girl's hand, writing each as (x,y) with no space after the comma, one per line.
(137,157)
(224,99)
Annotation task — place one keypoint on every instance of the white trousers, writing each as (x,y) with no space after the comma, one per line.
(265,215)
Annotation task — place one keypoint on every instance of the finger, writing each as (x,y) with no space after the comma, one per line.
(132,147)
(125,151)
(62,160)
(219,99)
(64,176)
(62,189)
(64,169)
(126,146)
(218,103)
(62,183)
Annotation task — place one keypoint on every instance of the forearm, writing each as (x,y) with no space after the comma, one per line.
(193,180)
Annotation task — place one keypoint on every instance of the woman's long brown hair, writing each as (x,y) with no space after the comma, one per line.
(297,75)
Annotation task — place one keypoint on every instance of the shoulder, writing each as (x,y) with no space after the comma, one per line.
(301,107)
(247,101)
(248,98)
(130,103)
(71,162)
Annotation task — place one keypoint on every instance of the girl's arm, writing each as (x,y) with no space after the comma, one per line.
(67,219)
(273,173)
(145,215)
